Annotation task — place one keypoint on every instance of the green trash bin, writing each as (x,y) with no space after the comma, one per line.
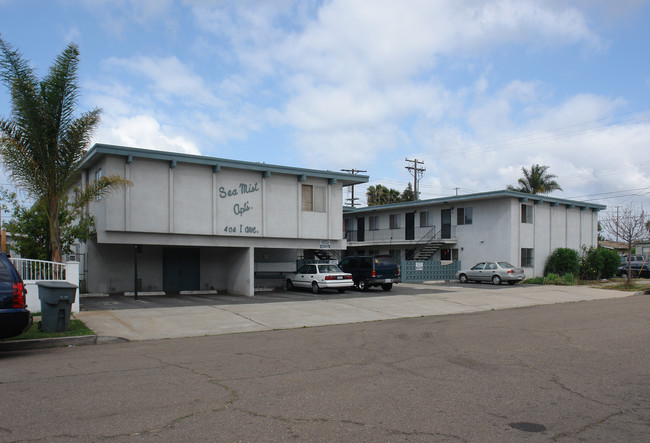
(56,299)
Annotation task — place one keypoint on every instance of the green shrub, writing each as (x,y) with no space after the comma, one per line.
(562,261)
(551,279)
(568,280)
(598,263)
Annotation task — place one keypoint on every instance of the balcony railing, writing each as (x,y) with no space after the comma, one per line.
(399,234)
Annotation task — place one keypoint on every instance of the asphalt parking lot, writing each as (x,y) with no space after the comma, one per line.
(117,302)
(175,316)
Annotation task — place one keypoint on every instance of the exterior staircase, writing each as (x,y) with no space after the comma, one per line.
(428,250)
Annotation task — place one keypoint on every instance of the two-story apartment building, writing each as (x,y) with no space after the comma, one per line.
(502,225)
(195,223)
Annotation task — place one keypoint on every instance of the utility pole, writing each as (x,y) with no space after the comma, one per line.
(417,175)
(353,171)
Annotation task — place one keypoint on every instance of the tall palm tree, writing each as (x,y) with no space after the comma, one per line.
(536,181)
(42,143)
(381,195)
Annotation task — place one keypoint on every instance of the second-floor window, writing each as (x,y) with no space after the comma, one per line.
(313,198)
(426,219)
(98,175)
(373,222)
(394,221)
(464,216)
(526,213)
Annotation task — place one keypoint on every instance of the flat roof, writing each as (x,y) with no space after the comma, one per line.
(99,150)
(522,196)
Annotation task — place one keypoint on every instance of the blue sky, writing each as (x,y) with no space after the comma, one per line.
(475,89)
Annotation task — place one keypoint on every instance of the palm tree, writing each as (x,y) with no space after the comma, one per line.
(42,143)
(536,181)
(381,195)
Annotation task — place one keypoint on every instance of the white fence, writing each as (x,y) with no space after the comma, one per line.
(32,271)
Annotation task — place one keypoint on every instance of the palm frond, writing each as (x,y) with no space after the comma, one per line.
(98,188)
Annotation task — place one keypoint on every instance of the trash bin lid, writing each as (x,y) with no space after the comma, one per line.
(56,284)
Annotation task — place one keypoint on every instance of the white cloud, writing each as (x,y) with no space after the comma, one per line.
(146,132)
(169,78)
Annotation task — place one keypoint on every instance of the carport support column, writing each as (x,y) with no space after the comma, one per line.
(241,279)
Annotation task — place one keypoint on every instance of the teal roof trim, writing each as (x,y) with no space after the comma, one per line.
(521,196)
(99,150)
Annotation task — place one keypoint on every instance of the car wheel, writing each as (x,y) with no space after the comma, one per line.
(496,280)
(363,285)
(315,288)
(512,282)
(289,285)
(387,286)
(463,278)
(341,290)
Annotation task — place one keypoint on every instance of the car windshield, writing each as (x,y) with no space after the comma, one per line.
(328,269)
(505,264)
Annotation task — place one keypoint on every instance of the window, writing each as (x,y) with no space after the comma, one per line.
(394,221)
(313,198)
(454,254)
(526,213)
(464,216)
(426,219)
(526,257)
(373,222)
(98,175)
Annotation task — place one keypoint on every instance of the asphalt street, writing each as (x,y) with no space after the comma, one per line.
(559,372)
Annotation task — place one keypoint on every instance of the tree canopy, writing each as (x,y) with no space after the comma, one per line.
(43,142)
(536,181)
(381,195)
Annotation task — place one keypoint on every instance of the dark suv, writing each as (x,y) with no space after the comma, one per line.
(372,270)
(14,316)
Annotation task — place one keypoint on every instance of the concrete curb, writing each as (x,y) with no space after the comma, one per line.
(57,342)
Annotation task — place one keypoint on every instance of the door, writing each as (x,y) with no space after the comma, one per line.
(181,269)
(445,223)
(361,228)
(409,227)
(476,273)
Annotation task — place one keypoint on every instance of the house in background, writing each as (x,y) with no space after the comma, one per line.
(520,228)
(195,223)
(618,246)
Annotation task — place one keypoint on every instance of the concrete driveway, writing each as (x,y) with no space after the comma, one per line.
(159,317)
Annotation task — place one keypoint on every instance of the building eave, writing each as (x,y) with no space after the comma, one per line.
(452,200)
(100,150)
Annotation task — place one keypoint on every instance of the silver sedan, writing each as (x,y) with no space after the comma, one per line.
(494,271)
(320,276)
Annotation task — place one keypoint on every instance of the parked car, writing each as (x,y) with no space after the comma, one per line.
(372,270)
(14,316)
(637,269)
(494,271)
(320,276)
(637,258)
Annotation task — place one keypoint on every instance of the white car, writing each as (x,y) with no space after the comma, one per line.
(320,276)
(494,271)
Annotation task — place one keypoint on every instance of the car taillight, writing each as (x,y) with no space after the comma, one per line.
(374,273)
(511,271)
(348,277)
(18,294)
(330,277)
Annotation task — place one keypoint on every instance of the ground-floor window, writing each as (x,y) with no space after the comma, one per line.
(526,257)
